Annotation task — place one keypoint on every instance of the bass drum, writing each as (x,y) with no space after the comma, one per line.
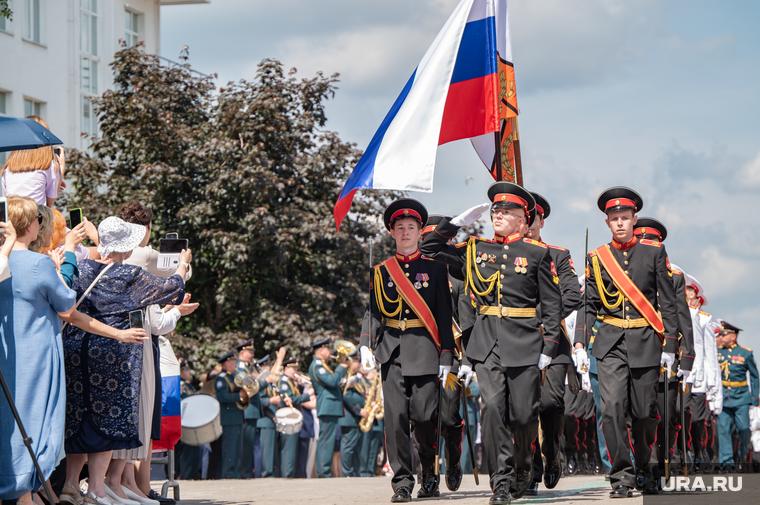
(201,422)
(289,421)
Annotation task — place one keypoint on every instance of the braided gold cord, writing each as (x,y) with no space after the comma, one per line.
(600,286)
(472,264)
(379,296)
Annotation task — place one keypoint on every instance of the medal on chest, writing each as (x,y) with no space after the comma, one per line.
(421,281)
(521,265)
(482,258)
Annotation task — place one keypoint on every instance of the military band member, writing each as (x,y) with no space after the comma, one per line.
(292,397)
(327,385)
(410,320)
(230,399)
(506,277)
(625,281)
(452,425)
(735,363)
(707,386)
(267,427)
(552,408)
(372,439)
(353,411)
(252,412)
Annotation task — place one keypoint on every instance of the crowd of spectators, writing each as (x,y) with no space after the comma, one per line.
(86,384)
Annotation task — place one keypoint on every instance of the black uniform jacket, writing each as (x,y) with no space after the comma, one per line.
(685,329)
(418,354)
(646,263)
(571,297)
(520,339)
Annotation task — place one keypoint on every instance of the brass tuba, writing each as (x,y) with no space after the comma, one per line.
(342,349)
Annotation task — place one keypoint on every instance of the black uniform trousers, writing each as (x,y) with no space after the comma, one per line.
(698,403)
(409,399)
(551,413)
(511,398)
(624,390)
(673,423)
(452,425)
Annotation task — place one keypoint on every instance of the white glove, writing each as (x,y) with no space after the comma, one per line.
(685,375)
(543,361)
(368,360)
(667,359)
(443,371)
(586,382)
(471,215)
(465,372)
(581,360)
(718,409)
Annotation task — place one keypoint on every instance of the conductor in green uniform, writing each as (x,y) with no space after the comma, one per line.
(231,416)
(292,397)
(326,383)
(735,361)
(353,403)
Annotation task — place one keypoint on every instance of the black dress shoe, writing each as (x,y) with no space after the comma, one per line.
(524,479)
(572,464)
(429,485)
(727,468)
(621,492)
(454,476)
(643,481)
(402,495)
(500,496)
(532,489)
(551,477)
(161,499)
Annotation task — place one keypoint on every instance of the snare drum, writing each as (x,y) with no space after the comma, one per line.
(201,423)
(289,421)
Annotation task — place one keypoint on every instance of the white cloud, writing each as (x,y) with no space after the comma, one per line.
(749,175)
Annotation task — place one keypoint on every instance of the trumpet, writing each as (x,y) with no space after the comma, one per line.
(251,386)
(303,378)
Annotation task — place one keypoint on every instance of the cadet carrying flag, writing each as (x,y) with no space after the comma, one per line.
(461,89)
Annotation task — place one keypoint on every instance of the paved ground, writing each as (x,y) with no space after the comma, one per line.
(369,491)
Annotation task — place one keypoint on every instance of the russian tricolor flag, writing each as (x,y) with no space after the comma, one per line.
(460,90)
(171,427)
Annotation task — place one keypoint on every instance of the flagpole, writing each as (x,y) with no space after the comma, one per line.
(497,155)
(518,157)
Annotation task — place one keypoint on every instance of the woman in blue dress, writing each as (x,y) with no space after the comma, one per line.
(30,358)
(103,375)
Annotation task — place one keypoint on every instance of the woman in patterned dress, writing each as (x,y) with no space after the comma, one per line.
(103,375)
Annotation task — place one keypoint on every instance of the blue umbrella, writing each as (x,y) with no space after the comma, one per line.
(17,133)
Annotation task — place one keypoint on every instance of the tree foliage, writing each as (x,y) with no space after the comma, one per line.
(5,10)
(249,174)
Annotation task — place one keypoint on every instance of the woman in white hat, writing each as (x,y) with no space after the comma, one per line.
(103,375)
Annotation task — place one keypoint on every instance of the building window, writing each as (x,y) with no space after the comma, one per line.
(88,37)
(32,107)
(89,119)
(89,75)
(33,20)
(131,28)
(5,25)
(3,102)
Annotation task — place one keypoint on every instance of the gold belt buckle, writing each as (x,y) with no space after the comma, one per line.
(504,311)
(626,323)
(402,325)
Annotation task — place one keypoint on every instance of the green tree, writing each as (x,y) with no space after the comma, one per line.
(249,174)
(5,11)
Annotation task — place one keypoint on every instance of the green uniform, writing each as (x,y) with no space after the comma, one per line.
(231,418)
(267,432)
(326,384)
(735,362)
(189,455)
(350,447)
(371,439)
(252,413)
(289,443)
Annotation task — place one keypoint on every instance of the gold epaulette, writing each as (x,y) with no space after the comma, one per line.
(746,348)
(461,245)
(557,247)
(534,242)
(703,313)
(677,272)
(650,242)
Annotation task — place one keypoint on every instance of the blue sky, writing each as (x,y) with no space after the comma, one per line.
(661,96)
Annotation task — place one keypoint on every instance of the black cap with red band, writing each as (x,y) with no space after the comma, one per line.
(542,206)
(650,228)
(512,196)
(619,198)
(405,207)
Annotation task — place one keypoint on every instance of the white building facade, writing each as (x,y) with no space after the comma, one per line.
(55,55)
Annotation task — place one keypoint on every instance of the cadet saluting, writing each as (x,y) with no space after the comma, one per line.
(410,319)
(627,280)
(505,278)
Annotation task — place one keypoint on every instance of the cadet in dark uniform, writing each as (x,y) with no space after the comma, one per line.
(292,397)
(473,411)
(353,411)
(505,278)
(410,320)
(651,229)
(632,341)
(452,425)
(268,436)
(327,384)
(552,408)
(231,398)
(252,412)
(735,362)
